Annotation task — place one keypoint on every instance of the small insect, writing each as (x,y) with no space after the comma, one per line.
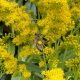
(39,42)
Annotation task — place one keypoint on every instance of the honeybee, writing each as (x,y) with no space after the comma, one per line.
(39,42)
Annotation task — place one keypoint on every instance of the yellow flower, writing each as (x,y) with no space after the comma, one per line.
(9,62)
(24,71)
(71,40)
(4,55)
(54,74)
(22,67)
(10,66)
(27,51)
(41,64)
(19,39)
(56,18)
(17,18)
(26,74)
(48,50)
(73,63)
(53,62)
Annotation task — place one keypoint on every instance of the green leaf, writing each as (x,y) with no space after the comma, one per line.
(11,47)
(33,8)
(28,5)
(33,68)
(17,76)
(65,55)
(3,77)
(20,2)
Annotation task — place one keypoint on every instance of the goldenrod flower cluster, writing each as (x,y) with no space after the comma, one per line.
(24,71)
(9,62)
(10,66)
(17,18)
(72,42)
(56,18)
(73,63)
(42,64)
(53,74)
(75,8)
(27,51)
(48,50)
(53,62)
